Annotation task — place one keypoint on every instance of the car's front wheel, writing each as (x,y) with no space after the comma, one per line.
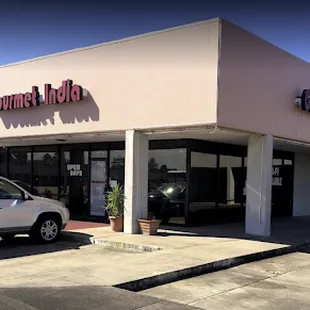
(46,230)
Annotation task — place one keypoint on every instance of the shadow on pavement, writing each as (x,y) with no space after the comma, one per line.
(290,231)
(80,297)
(25,246)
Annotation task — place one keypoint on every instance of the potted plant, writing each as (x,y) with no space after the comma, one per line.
(115,207)
(149,226)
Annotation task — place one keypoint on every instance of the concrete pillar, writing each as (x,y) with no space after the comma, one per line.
(259,185)
(136,180)
(301,196)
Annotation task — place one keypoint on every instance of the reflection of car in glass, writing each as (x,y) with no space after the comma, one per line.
(167,201)
(24,213)
(26,187)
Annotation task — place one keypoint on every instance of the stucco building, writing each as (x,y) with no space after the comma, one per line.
(207,115)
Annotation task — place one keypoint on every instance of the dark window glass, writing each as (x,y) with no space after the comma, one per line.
(117,168)
(74,182)
(203,186)
(3,162)
(167,184)
(282,187)
(20,165)
(45,174)
(231,183)
(98,182)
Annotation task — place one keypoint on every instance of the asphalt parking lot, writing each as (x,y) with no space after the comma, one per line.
(22,246)
(81,298)
(66,275)
(62,264)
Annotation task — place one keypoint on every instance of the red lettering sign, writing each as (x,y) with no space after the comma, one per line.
(67,92)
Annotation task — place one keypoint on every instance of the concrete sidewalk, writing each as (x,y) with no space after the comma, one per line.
(183,252)
(170,256)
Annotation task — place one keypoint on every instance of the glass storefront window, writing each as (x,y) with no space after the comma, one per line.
(81,174)
(117,168)
(203,186)
(3,162)
(98,182)
(231,182)
(20,165)
(99,154)
(74,182)
(45,173)
(167,185)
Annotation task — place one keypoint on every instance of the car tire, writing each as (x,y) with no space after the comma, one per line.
(47,229)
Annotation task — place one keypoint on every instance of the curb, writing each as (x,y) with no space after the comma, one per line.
(88,239)
(77,237)
(127,246)
(161,279)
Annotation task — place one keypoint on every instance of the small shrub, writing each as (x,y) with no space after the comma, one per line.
(115,201)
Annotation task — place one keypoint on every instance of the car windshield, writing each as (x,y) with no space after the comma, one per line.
(172,190)
(23,185)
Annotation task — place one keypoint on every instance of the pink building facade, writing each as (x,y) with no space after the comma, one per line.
(201,123)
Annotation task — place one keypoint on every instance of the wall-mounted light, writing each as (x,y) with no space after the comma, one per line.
(303,101)
(298,102)
(85,92)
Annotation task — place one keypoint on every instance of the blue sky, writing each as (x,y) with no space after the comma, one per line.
(31,28)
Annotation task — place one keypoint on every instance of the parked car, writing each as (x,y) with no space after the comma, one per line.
(24,213)
(167,200)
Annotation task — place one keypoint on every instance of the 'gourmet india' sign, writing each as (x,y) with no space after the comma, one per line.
(67,92)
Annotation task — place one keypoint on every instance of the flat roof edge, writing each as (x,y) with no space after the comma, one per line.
(118,41)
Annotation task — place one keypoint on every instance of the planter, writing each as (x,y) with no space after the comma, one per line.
(149,227)
(116,223)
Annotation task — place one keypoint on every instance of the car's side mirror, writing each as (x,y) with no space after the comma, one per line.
(26,196)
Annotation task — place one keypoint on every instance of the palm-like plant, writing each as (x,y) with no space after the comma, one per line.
(115,201)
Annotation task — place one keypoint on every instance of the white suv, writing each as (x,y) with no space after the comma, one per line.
(23,213)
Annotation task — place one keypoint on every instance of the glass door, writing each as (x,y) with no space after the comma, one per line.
(75,181)
(98,187)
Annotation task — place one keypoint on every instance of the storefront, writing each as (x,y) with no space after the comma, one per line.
(207,180)
(153,114)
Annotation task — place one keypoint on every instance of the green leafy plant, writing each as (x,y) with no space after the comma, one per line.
(115,201)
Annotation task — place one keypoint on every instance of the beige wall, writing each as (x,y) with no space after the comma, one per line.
(163,79)
(258,84)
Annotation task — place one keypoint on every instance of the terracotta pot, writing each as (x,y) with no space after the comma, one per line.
(116,223)
(149,227)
